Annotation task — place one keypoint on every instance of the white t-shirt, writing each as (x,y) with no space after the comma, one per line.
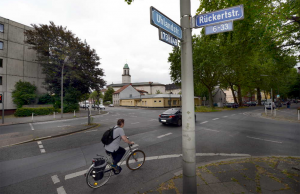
(114,146)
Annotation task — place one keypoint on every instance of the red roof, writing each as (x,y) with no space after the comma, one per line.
(121,89)
(141,91)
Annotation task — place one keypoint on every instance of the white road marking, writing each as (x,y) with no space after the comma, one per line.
(133,116)
(55,179)
(154,120)
(91,131)
(43,151)
(215,119)
(61,190)
(135,123)
(64,126)
(225,116)
(232,114)
(39,142)
(204,122)
(164,135)
(83,123)
(134,145)
(31,126)
(264,139)
(41,146)
(80,173)
(210,129)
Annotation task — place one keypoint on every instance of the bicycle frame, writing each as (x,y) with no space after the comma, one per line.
(127,153)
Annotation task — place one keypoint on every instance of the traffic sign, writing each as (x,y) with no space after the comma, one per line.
(220,16)
(159,20)
(167,38)
(223,27)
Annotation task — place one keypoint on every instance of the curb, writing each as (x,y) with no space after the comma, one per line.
(6,124)
(53,136)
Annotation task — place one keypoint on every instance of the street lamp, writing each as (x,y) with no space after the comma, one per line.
(62,87)
(170,99)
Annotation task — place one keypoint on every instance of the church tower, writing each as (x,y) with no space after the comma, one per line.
(126,77)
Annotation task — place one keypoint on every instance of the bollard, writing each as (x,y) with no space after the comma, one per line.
(298,115)
(74,113)
(32,117)
(266,111)
(274,112)
(53,115)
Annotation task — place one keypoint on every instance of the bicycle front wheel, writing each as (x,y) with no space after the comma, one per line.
(136,160)
(90,180)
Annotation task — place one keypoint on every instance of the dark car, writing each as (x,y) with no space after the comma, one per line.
(171,116)
(278,104)
(246,104)
(231,105)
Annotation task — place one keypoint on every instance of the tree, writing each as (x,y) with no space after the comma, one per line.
(96,96)
(24,93)
(108,94)
(81,72)
(158,92)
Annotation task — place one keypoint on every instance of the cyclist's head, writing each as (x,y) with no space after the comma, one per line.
(120,122)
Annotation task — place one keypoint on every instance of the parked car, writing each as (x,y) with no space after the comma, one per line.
(111,105)
(246,104)
(85,105)
(278,104)
(171,116)
(268,105)
(231,105)
(101,106)
(251,103)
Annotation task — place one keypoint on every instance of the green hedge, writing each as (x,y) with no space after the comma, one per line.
(24,112)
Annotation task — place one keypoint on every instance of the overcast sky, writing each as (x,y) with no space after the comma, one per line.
(117,31)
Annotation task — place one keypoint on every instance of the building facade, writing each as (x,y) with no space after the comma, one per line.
(126,91)
(17,61)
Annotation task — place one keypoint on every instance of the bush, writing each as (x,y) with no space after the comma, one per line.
(107,103)
(205,109)
(71,107)
(45,99)
(24,112)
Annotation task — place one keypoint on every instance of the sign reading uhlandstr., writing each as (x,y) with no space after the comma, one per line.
(220,16)
(161,21)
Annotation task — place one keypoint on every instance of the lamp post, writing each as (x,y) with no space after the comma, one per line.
(62,87)
(170,99)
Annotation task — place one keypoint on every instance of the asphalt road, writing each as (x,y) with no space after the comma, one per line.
(219,135)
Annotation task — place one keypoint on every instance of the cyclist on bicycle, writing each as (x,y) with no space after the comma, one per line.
(114,148)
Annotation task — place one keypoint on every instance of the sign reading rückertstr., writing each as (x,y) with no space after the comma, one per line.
(161,21)
(220,16)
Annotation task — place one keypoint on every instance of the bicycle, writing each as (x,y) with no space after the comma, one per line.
(98,176)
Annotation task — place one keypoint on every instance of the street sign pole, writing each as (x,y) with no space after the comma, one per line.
(188,119)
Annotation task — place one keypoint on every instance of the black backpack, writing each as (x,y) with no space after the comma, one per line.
(108,136)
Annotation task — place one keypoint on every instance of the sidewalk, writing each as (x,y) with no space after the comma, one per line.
(247,175)
(9,120)
(284,113)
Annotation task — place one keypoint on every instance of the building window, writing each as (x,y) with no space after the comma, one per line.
(154,100)
(1,62)
(1,28)
(160,101)
(0,80)
(145,102)
(1,45)
(174,102)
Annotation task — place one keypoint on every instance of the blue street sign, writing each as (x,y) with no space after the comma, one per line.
(159,20)
(167,38)
(223,27)
(220,16)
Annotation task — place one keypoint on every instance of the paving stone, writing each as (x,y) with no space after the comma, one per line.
(289,191)
(249,185)
(237,166)
(250,174)
(270,184)
(204,189)
(293,185)
(227,176)
(249,166)
(200,181)
(214,169)
(263,164)
(226,168)
(234,187)
(284,166)
(172,191)
(178,184)
(219,188)
(209,178)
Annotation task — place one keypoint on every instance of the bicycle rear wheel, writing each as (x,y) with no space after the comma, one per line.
(135,160)
(91,182)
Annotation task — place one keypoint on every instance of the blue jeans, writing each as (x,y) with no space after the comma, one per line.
(117,155)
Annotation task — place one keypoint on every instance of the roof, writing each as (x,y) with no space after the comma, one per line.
(172,87)
(141,91)
(103,90)
(136,84)
(121,89)
(126,66)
